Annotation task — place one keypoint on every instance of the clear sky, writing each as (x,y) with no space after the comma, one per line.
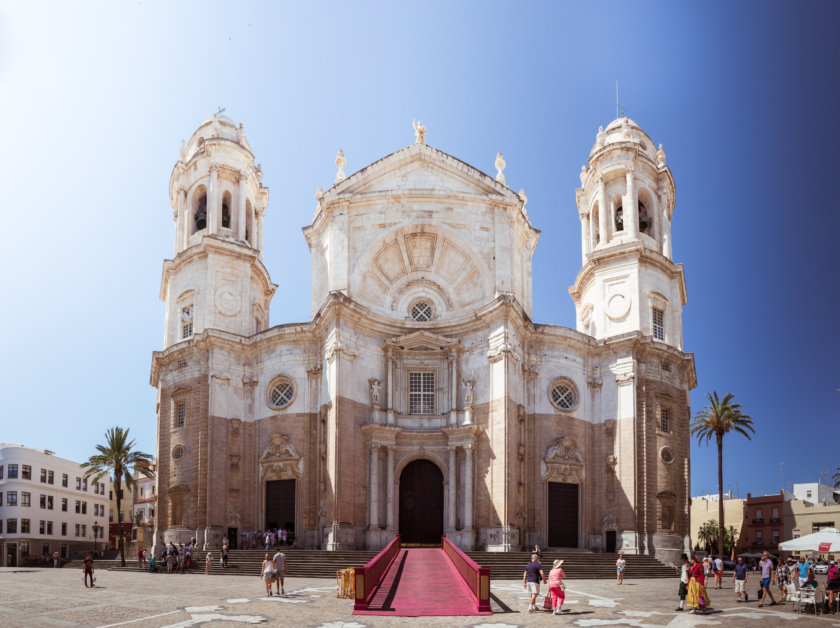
(96,97)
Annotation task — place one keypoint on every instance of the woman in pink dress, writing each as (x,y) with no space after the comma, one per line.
(556,588)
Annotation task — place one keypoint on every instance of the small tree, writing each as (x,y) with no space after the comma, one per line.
(717,419)
(118,458)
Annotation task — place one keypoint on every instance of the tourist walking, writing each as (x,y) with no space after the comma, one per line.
(267,573)
(225,555)
(556,587)
(767,574)
(803,566)
(697,598)
(207,563)
(531,581)
(620,564)
(782,579)
(87,568)
(683,582)
(55,559)
(739,578)
(279,561)
(717,568)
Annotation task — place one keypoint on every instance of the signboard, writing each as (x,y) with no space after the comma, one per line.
(825,547)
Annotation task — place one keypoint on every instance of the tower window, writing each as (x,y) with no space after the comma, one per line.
(665,420)
(201,214)
(421,312)
(281,393)
(421,392)
(186,322)
(644,221)
(563,395)
(658,320)
(225,216)
(619,219)
(180,415)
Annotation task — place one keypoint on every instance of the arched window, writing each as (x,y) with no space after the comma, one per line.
(226,210)
(644,219)
(201,214)
(619,218)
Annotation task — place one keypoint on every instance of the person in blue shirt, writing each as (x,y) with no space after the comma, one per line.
(767,574)
(740,578)
(803,566)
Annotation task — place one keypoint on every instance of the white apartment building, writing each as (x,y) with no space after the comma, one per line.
(814,493)
(47,506)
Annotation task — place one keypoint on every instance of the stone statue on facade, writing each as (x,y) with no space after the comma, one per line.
(375,387)
(280,446)
(419,132)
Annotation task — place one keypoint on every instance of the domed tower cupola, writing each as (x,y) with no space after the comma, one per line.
(216,189)
(626,200)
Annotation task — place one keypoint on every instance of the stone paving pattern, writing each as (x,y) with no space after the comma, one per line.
(57,597)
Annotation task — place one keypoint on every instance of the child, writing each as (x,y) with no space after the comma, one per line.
(683,582)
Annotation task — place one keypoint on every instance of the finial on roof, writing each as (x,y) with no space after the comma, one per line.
(660,156)
(601,137)
(240,134)
(419,132)
(500,165)
(524,200)
(182,151)
(582,174)
(340,162)
(319,194)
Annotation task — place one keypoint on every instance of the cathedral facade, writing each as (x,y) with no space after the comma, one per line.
(421,399)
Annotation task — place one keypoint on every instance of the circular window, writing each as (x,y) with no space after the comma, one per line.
(281,392)
(563,394)
(666,455)
(421,312)
(178,452)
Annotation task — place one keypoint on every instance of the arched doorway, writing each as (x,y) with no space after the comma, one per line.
(421,503)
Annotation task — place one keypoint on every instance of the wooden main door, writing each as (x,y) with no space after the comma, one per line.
(421,503)
(562,514)
(280,504)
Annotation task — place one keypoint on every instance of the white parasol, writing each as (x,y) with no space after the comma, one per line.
(826,540)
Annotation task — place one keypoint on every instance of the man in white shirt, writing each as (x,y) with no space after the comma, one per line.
(279,561)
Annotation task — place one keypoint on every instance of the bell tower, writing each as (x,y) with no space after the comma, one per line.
(628,281)
(216,279)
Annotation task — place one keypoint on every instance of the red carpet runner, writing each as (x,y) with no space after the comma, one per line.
(422,581)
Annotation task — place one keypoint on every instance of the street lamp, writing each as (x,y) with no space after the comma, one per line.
(95,527)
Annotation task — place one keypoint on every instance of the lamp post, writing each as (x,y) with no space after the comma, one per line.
(95,527)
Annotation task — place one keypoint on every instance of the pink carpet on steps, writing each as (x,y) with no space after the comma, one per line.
(422,581)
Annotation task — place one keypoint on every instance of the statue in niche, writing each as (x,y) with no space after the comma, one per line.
(468,395)
(419,132)
(564,448)
(375,387)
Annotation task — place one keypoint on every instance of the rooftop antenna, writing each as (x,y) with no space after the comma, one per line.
(621,112)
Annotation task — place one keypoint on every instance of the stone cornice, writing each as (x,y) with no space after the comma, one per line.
(634,250)
(212,244)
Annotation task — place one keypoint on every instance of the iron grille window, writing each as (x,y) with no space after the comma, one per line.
(180,414)
(665,420)
(563,396)
(421,392)
(282,394)
(658,317)
(421,312)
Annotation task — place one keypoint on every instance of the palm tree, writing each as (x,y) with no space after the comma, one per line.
(117,457)
(716,419)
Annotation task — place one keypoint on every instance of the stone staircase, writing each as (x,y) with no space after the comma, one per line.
(503,565)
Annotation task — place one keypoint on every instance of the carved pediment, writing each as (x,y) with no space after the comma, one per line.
(280,460)
(563,462)
(422,168)
(422,341)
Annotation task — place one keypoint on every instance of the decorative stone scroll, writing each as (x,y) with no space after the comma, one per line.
(563,462)
(280,460)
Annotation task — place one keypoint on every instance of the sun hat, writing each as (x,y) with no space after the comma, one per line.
(557,563)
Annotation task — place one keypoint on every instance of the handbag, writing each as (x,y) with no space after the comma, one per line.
(547,605)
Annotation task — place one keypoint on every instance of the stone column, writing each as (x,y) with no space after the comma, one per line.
(603,210)
(240,207)
(584,237)
(258,226)
(453,388)
(468,487)
(389,359)
(452,489)
(185,220)
(389,489)
(374,487)
(666,226)
(631,213)
(213,200)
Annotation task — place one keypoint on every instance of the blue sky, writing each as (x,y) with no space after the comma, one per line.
(96,98)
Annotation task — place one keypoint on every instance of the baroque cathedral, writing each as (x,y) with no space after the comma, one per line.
(421,399)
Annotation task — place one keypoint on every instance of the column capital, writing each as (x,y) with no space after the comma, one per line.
(629,169)
(243,177)
(214,169)
(469,448)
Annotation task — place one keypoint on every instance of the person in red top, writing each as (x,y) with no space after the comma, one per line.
(556,588)
(697,598)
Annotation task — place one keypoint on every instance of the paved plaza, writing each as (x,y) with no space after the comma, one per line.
(57,597)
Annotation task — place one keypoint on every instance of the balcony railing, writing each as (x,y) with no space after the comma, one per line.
(775,520)
(758,520)
(368,577)
(477,578)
